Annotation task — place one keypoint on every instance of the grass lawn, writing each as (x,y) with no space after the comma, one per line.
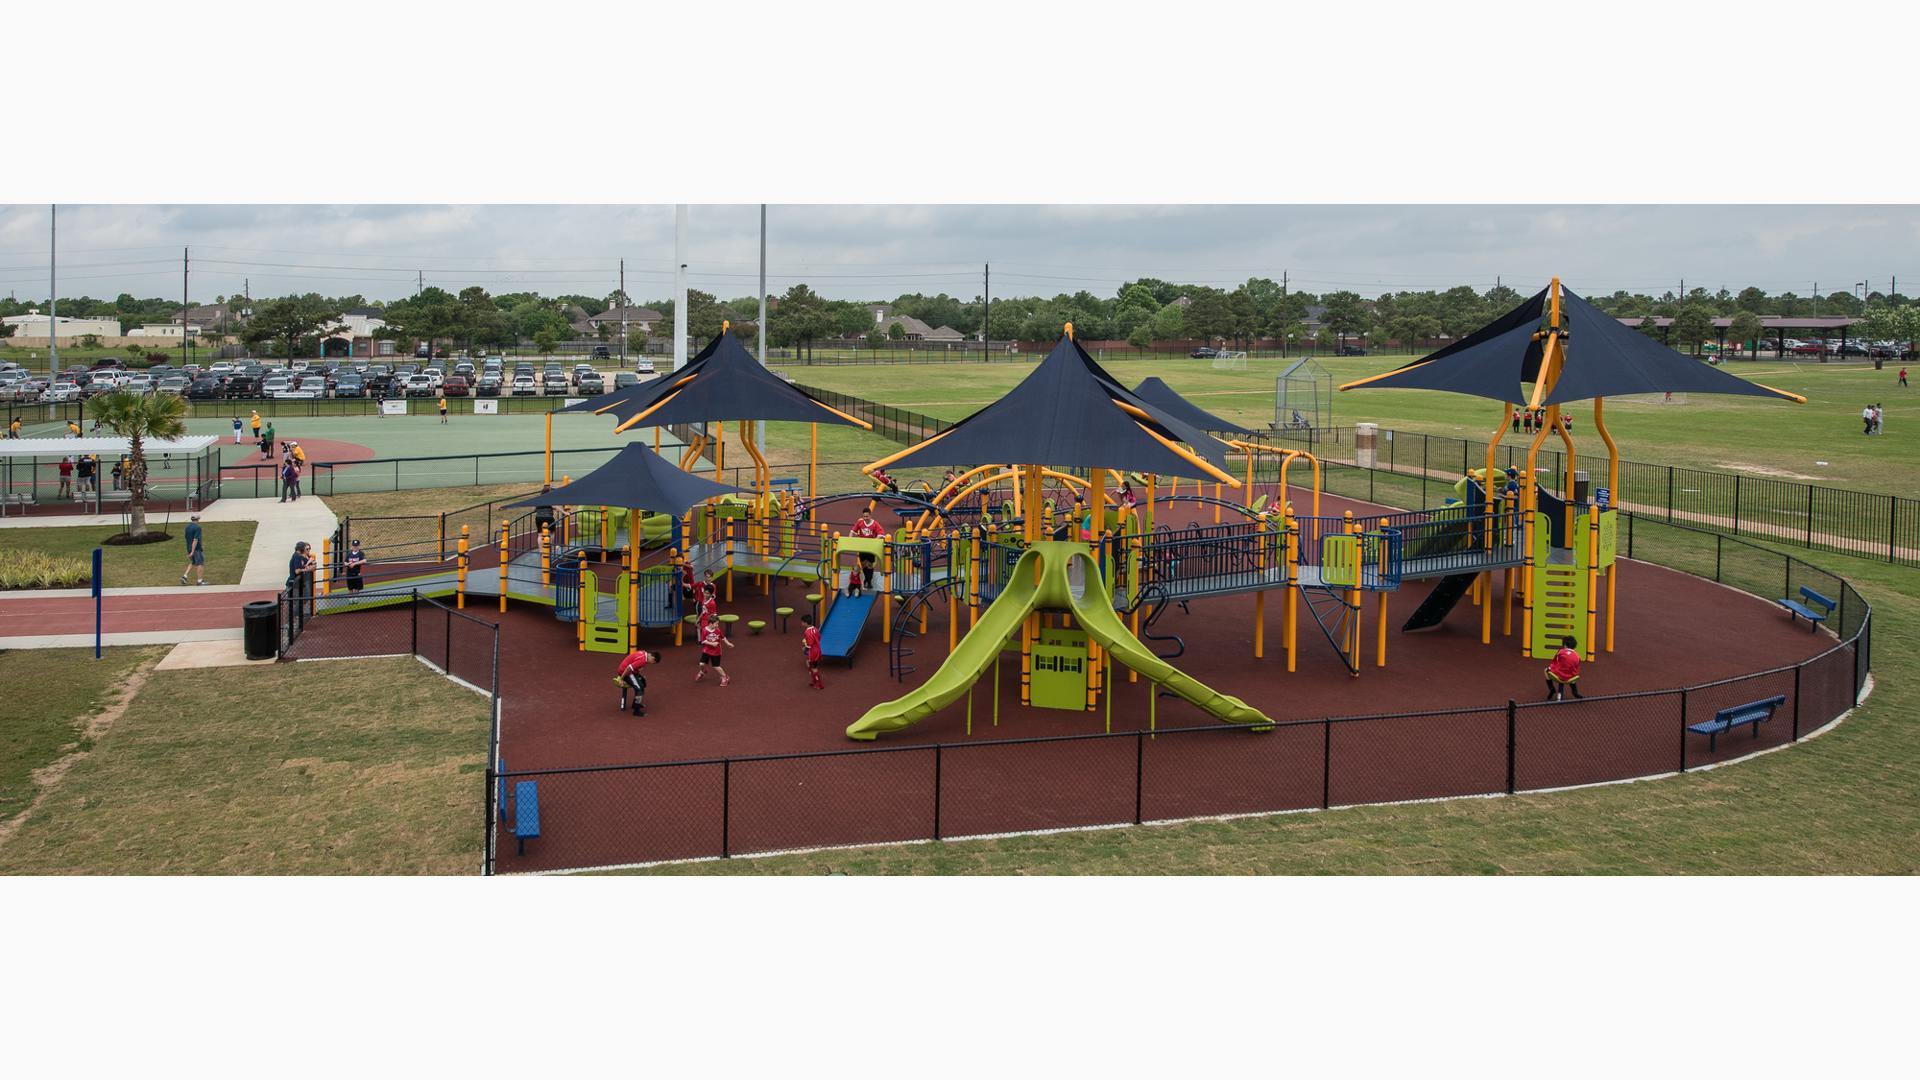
(56,692)
(343,767)
(1760,436)
(227,544)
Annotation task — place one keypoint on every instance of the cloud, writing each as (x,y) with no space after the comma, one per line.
(880,251)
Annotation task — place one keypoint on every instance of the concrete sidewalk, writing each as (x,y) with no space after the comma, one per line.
(57,618)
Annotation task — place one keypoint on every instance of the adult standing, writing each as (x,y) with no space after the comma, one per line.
(300,571)
(1866,420)
(13,429)
(271,438)
(83,474)
(196,552)
(1879,416)
(289,479)
(238,438)
(256,425)
(443,408)
(66,477)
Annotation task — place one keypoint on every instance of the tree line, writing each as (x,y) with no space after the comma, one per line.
(1142,312)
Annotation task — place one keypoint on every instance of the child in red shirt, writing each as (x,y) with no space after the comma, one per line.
(866,528)
(711,642)
(629,677)
(1564,671)
(810,648)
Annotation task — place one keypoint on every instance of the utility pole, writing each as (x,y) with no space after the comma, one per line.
(185,355)
(623,314)
(1283,283)
(419,282)
(53,291)
(986,313)
(680,286)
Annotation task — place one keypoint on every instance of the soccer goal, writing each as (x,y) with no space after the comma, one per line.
(1230,361)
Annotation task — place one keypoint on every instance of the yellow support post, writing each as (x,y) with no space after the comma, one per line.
(326,563)
(1353,598)
(460,571)
(633,580)
(503,568)
(1593,575)
(1260,624)
(886,593)
(549,454)
(1613,498)
(1380,659)
(1289,630)
(546,555)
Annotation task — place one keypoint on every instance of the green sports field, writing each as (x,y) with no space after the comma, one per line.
(1819,442)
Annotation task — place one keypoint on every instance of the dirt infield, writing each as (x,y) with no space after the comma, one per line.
(937,778)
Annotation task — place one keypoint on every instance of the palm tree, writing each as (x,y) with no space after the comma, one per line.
(137,418)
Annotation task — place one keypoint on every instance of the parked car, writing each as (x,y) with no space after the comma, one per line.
(624,379)
(1352,350)
(1204,352)
(601,352)
(554,382)
(350,385)
(419,384)
(591,382)
(275,385)
(173,384)
(207,389)
(139,383)
(488,386)
(643,365)
(455,386)
(582,369)
(1849,348)
(465,368)
(524,385)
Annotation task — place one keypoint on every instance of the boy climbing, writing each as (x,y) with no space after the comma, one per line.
(1563,672)
(629,677)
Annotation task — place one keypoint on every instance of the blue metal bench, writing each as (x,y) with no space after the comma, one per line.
(526,812)
(1753,712)
(1797,609)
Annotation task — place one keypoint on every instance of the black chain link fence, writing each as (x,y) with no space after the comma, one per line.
(598,817)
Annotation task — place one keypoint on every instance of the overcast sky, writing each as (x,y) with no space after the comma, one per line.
(878,252)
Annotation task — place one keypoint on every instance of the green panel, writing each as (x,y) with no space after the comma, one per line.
(1542,539)
(1340,560)
(1059,672)
(1609,537)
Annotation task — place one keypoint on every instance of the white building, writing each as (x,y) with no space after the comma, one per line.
(34,325)
(163,330)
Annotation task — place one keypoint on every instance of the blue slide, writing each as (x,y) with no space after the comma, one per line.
(840,634)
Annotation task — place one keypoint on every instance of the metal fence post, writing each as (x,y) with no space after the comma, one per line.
(726,807)
(1683,729)
(1716,556)
(413,641)
(1326,763)
(1669,494)
(1797,668)
(936,791)
(1736,504)
(1139,771)
(1512,709)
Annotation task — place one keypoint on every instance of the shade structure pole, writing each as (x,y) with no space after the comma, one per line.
(1613,496)
(549,456)
(813,466)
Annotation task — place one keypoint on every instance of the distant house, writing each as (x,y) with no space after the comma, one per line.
(911,329)
(945,335)
(211,315)
(641,318)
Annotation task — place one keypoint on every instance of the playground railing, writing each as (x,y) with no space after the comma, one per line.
(718,807)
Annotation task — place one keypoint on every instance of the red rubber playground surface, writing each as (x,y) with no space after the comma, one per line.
(559,712)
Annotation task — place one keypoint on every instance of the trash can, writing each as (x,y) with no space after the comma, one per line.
(261,629)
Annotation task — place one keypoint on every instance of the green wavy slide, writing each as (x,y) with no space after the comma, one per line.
(1050,589)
